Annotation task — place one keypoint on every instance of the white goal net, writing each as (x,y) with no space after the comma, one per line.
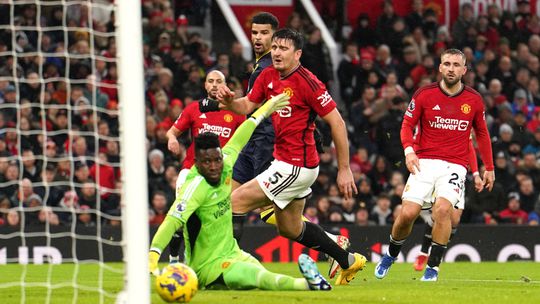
(66,124)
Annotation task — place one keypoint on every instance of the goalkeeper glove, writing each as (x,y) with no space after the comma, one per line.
(270,106)
(153,258)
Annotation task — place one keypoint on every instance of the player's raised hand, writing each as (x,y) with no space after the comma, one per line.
(478,183)
(489,179)
(412,163)
(277,103)
(174,146)
(345,182)
(225,95)
(270,106)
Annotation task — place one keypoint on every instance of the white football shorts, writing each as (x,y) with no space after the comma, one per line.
(283,182)
(437,178)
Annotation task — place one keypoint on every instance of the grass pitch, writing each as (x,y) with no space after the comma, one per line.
(512,282)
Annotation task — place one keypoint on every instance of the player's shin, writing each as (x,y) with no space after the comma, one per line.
(426,241)
(313,236)
(436,255)
(238,225)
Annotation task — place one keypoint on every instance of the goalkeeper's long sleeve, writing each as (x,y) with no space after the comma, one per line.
(164,234)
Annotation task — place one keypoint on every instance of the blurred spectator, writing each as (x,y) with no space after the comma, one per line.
(365,192)
(513,214)
(347,75)
(464,21)
(158,209)
(504,171)
(380,175)
(310,212)
(348,210)
(31,169)
(336,216)
(528,193)
(363,35)
(85,218)
(415,19)
(48,217)
(316,58)
(103,174)
(69,204)
(484,206)
(388,132)
(362,216)
(381,213)
(323,209)
(88,196)
(13,218)
(385,21)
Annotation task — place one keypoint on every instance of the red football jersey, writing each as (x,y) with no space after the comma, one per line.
(223,123)
(444,125)
(294,124)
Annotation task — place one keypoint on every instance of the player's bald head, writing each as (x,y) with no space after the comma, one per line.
(215,74)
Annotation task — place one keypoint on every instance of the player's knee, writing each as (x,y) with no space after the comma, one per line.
(408,215)
(289,231)
(442,212)
(238,200)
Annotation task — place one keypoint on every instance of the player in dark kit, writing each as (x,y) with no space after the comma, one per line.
(437,158)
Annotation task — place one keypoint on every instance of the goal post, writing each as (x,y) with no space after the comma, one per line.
(132,137)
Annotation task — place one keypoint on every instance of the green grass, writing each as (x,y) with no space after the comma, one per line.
(458,283)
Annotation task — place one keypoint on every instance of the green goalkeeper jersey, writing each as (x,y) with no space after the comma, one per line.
(204,213)
(206,216)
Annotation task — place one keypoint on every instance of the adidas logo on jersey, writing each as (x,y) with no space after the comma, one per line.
(436,108)
(202,115)
(270,86)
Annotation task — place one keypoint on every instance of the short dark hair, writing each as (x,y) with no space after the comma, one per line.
(207,140)
(266,18)
(290,34)
(454,52)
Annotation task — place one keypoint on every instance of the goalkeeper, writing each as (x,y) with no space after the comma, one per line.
(203,210)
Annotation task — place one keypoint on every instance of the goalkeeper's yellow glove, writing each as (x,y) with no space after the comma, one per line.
(270,106)
(153,258)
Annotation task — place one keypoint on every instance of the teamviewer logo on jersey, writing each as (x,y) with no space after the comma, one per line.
(449,124)
(285,112)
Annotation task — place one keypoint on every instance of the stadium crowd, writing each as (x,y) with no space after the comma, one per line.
(59,145)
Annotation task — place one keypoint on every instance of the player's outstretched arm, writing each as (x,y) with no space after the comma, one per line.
(161,239)
(240,105)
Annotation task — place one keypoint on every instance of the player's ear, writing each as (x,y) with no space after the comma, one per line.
(297,54)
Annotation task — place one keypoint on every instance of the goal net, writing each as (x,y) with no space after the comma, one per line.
(73,201)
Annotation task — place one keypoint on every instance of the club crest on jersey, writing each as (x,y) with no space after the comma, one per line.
(411,106)
(228,117)
(465,108)
(288,91)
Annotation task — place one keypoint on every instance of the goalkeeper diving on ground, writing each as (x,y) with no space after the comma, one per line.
(203,210)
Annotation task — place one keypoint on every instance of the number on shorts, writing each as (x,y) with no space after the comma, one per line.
(454,179)
(275,178)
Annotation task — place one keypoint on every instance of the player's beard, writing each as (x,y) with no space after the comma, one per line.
(451,83)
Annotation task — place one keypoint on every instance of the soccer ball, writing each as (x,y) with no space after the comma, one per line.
(177,283)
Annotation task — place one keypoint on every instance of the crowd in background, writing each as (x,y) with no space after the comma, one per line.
(59,145)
